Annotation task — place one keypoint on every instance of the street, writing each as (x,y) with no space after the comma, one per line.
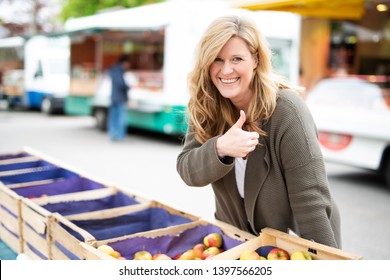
(145,164)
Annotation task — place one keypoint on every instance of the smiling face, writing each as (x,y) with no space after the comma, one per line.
(232,72)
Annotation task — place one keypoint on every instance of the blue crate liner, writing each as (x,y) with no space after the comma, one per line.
(14,155)
(171,245)
(69,185)
(53,173)
(76,207)
(141,221)
(25,165)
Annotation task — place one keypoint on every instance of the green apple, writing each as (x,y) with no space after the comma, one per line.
(300,255)
(278,254)
(213,240)
(108,250)
(143,255)
(187,255)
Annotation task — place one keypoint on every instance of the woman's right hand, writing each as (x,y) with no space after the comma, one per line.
(237,142)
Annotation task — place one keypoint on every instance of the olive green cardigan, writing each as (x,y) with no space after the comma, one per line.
(286,185)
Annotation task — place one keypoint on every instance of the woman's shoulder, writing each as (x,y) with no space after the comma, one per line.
(289,99)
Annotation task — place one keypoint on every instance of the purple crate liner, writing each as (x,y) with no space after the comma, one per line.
(53,173)
(171,245)
(141,221)
(24,165)
(17,155)
(82,206)
(69,185)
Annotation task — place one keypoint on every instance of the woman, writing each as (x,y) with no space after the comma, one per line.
(253,139)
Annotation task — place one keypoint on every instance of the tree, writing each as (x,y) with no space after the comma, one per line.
(80,8)
(25,17)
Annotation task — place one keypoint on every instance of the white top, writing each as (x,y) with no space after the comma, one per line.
(240,166)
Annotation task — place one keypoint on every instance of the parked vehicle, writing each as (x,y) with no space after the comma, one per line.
(11,72)
(46,69)
(353,119)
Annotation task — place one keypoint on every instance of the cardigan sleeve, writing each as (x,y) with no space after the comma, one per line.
(305,174)
(199,165)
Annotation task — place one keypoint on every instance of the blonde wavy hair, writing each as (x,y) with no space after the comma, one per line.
(210,114)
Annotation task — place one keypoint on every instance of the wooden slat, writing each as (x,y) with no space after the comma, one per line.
(36,218)
(76,196)
(12,241)
(34,183)
(108,213)
(10,222)
(34,239)
(19,160)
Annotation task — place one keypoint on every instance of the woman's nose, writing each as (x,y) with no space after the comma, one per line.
(227,68)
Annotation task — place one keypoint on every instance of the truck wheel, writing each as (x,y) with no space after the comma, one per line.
(100,115)
(47,106)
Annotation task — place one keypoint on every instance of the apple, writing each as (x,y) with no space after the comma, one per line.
(278,254)
(300,255)
(143,255)
(250,255)
(213,240)
(161,257)
(187,255)
(108,250)
(198,250)
(210,252)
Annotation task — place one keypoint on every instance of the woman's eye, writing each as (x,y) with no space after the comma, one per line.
(237,59)
(218,59)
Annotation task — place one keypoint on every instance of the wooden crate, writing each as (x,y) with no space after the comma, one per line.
(36,220)
(10,219)
(290,243)
(66,245)
(183,237)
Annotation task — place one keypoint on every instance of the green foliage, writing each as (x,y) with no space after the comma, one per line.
(80,8)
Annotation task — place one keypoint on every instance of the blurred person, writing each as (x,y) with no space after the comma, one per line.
(253,139)
(117,114)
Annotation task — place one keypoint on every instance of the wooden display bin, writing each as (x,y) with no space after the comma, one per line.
(10,219)
(37,213)
(171,241)
(290,243)
(67,234)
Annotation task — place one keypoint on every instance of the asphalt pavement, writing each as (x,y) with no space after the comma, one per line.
(145,164)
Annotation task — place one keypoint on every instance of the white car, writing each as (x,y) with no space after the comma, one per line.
(353,121)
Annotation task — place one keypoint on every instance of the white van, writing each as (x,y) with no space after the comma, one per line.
(46,72)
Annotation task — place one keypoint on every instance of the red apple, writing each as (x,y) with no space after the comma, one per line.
(198,250)
(210,252)
(278,254)
(250,255)
(161,257)
(213,240)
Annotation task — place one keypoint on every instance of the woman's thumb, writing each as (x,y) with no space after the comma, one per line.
(241,120)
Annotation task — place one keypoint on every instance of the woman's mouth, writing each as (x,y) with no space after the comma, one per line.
(229,81)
